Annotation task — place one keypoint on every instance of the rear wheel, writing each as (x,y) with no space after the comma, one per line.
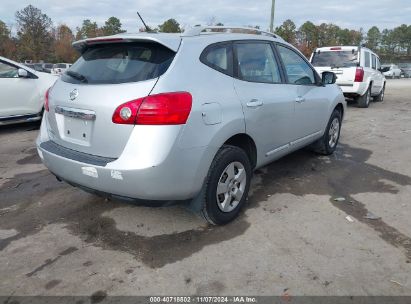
(327,144)
(227,185)
(364,100)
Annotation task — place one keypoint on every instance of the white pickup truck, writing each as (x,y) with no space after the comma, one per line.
(358,71)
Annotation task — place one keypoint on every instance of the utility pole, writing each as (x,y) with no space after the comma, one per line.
(272,17)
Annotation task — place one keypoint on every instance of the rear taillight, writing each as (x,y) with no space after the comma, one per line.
(161,109)
(46,100)
(359,75)
(127,112)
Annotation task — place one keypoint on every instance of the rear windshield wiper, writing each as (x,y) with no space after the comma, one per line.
(77,76)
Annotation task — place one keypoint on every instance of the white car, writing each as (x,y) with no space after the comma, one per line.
(391,71)
(60,68)
(22,92)
(358,71)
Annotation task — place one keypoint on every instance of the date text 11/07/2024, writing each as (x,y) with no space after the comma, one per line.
(204,299)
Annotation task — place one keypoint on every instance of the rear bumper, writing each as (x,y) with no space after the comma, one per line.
(354,89)
(178,176)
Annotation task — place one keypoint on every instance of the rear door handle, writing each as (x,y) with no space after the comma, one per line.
(300,99)
(253,103)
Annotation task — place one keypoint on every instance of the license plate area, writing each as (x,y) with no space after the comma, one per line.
(75,126)
(77,131)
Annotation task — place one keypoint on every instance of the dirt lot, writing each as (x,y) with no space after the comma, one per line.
(58,240)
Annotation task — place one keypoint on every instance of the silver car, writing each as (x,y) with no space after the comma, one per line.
(188,116)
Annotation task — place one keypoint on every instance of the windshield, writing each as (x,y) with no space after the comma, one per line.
(338,59)
(120,63)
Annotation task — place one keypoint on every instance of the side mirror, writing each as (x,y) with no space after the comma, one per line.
(22,73)
(328,78)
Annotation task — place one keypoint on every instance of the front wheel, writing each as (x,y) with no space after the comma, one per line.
(327,144)
(227,185)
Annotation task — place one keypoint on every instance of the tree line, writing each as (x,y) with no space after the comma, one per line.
(37,39)
(391,44)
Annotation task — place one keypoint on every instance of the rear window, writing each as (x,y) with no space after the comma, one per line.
(120,63)
(61,65)
(338,59)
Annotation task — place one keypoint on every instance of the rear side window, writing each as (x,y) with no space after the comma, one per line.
(219,57)
(120,63)
(367,59)
(374,61)
(256,63)
(297,69)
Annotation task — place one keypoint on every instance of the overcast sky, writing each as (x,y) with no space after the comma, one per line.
(349,13)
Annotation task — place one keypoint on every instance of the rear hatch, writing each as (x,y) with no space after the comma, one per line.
(341,61)
(84,99)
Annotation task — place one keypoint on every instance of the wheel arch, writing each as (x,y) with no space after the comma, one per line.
(246,143)
(340,108)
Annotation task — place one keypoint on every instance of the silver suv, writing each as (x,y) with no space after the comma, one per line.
(189,116)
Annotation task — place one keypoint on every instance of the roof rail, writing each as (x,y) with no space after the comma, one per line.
(201,30)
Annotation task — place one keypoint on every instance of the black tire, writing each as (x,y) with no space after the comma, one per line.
(380,97)
(210,209)
(323,146)
(364,100)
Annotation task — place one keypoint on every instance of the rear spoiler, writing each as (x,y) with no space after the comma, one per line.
(169,42)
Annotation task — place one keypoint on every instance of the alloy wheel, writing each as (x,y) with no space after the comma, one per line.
(231,186)
(334,132)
